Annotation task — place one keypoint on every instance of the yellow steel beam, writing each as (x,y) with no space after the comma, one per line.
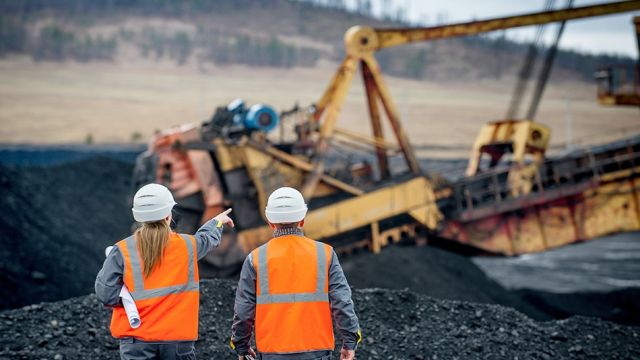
(375,141)
(414,195)
(374,114)
(331,103)
(392,113)
(304,166)
(394,37)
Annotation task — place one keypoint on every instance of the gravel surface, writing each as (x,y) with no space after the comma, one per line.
(397,324)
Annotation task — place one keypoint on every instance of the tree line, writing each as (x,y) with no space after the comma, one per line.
(59,42)
(55,42)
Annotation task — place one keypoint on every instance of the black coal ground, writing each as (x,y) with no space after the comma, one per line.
(396,324)
(55,223)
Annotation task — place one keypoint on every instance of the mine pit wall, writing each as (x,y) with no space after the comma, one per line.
(608,204)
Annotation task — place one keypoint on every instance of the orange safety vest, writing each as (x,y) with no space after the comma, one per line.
(168,299)
(292,298)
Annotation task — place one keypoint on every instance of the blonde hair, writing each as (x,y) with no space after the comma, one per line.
(152,238)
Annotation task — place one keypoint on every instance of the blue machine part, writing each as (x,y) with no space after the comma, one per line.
(261,117)
(236,105)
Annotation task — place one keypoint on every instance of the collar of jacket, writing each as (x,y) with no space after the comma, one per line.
(288,231)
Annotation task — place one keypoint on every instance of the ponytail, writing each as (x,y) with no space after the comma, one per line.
(152,238)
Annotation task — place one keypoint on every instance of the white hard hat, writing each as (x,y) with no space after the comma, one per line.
(153,202)
(285,205)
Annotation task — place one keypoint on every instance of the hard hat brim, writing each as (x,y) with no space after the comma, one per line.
(153,215)
(285,217)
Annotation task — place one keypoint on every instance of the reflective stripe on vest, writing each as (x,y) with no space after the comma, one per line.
(266,297)
(138,291)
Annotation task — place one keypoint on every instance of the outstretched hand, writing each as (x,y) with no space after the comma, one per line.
(224,218)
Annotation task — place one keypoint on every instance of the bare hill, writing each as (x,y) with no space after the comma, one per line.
(116,71)
(278,33)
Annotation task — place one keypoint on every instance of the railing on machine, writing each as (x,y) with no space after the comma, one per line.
(491,188)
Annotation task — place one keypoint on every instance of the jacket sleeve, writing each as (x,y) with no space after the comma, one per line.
(244,309)
(109,280)
(344,315)
(208,237)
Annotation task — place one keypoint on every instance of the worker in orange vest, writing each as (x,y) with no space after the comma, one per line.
(289,289)
(160,269)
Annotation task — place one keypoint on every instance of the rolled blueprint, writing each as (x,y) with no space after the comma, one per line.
(127,301)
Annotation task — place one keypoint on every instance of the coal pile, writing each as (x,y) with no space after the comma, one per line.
(434,272)
(55,223)
(397,324)
(600,278)
(620,306)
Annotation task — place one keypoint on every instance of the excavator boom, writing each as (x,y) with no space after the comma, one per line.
(400,36)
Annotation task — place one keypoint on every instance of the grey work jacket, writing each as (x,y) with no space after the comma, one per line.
(342,309)
(109,280)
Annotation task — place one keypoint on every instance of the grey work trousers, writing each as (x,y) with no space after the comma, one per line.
(132,349)
(305,356)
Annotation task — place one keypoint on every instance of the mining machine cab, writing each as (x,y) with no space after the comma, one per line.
(505,159)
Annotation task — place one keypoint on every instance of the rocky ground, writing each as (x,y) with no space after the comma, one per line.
(397,324)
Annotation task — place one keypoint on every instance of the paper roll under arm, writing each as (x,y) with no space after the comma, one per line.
(130,307)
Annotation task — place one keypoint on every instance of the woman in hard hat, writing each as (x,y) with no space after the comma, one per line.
(160,269)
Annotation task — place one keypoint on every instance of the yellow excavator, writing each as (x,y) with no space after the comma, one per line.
(516,202)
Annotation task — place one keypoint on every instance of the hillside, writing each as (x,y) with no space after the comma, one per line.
(46,102)
(279,33)
(116,71)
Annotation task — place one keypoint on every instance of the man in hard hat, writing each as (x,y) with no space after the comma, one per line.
(288,290)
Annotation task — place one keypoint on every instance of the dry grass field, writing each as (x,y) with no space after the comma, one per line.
(67,102)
